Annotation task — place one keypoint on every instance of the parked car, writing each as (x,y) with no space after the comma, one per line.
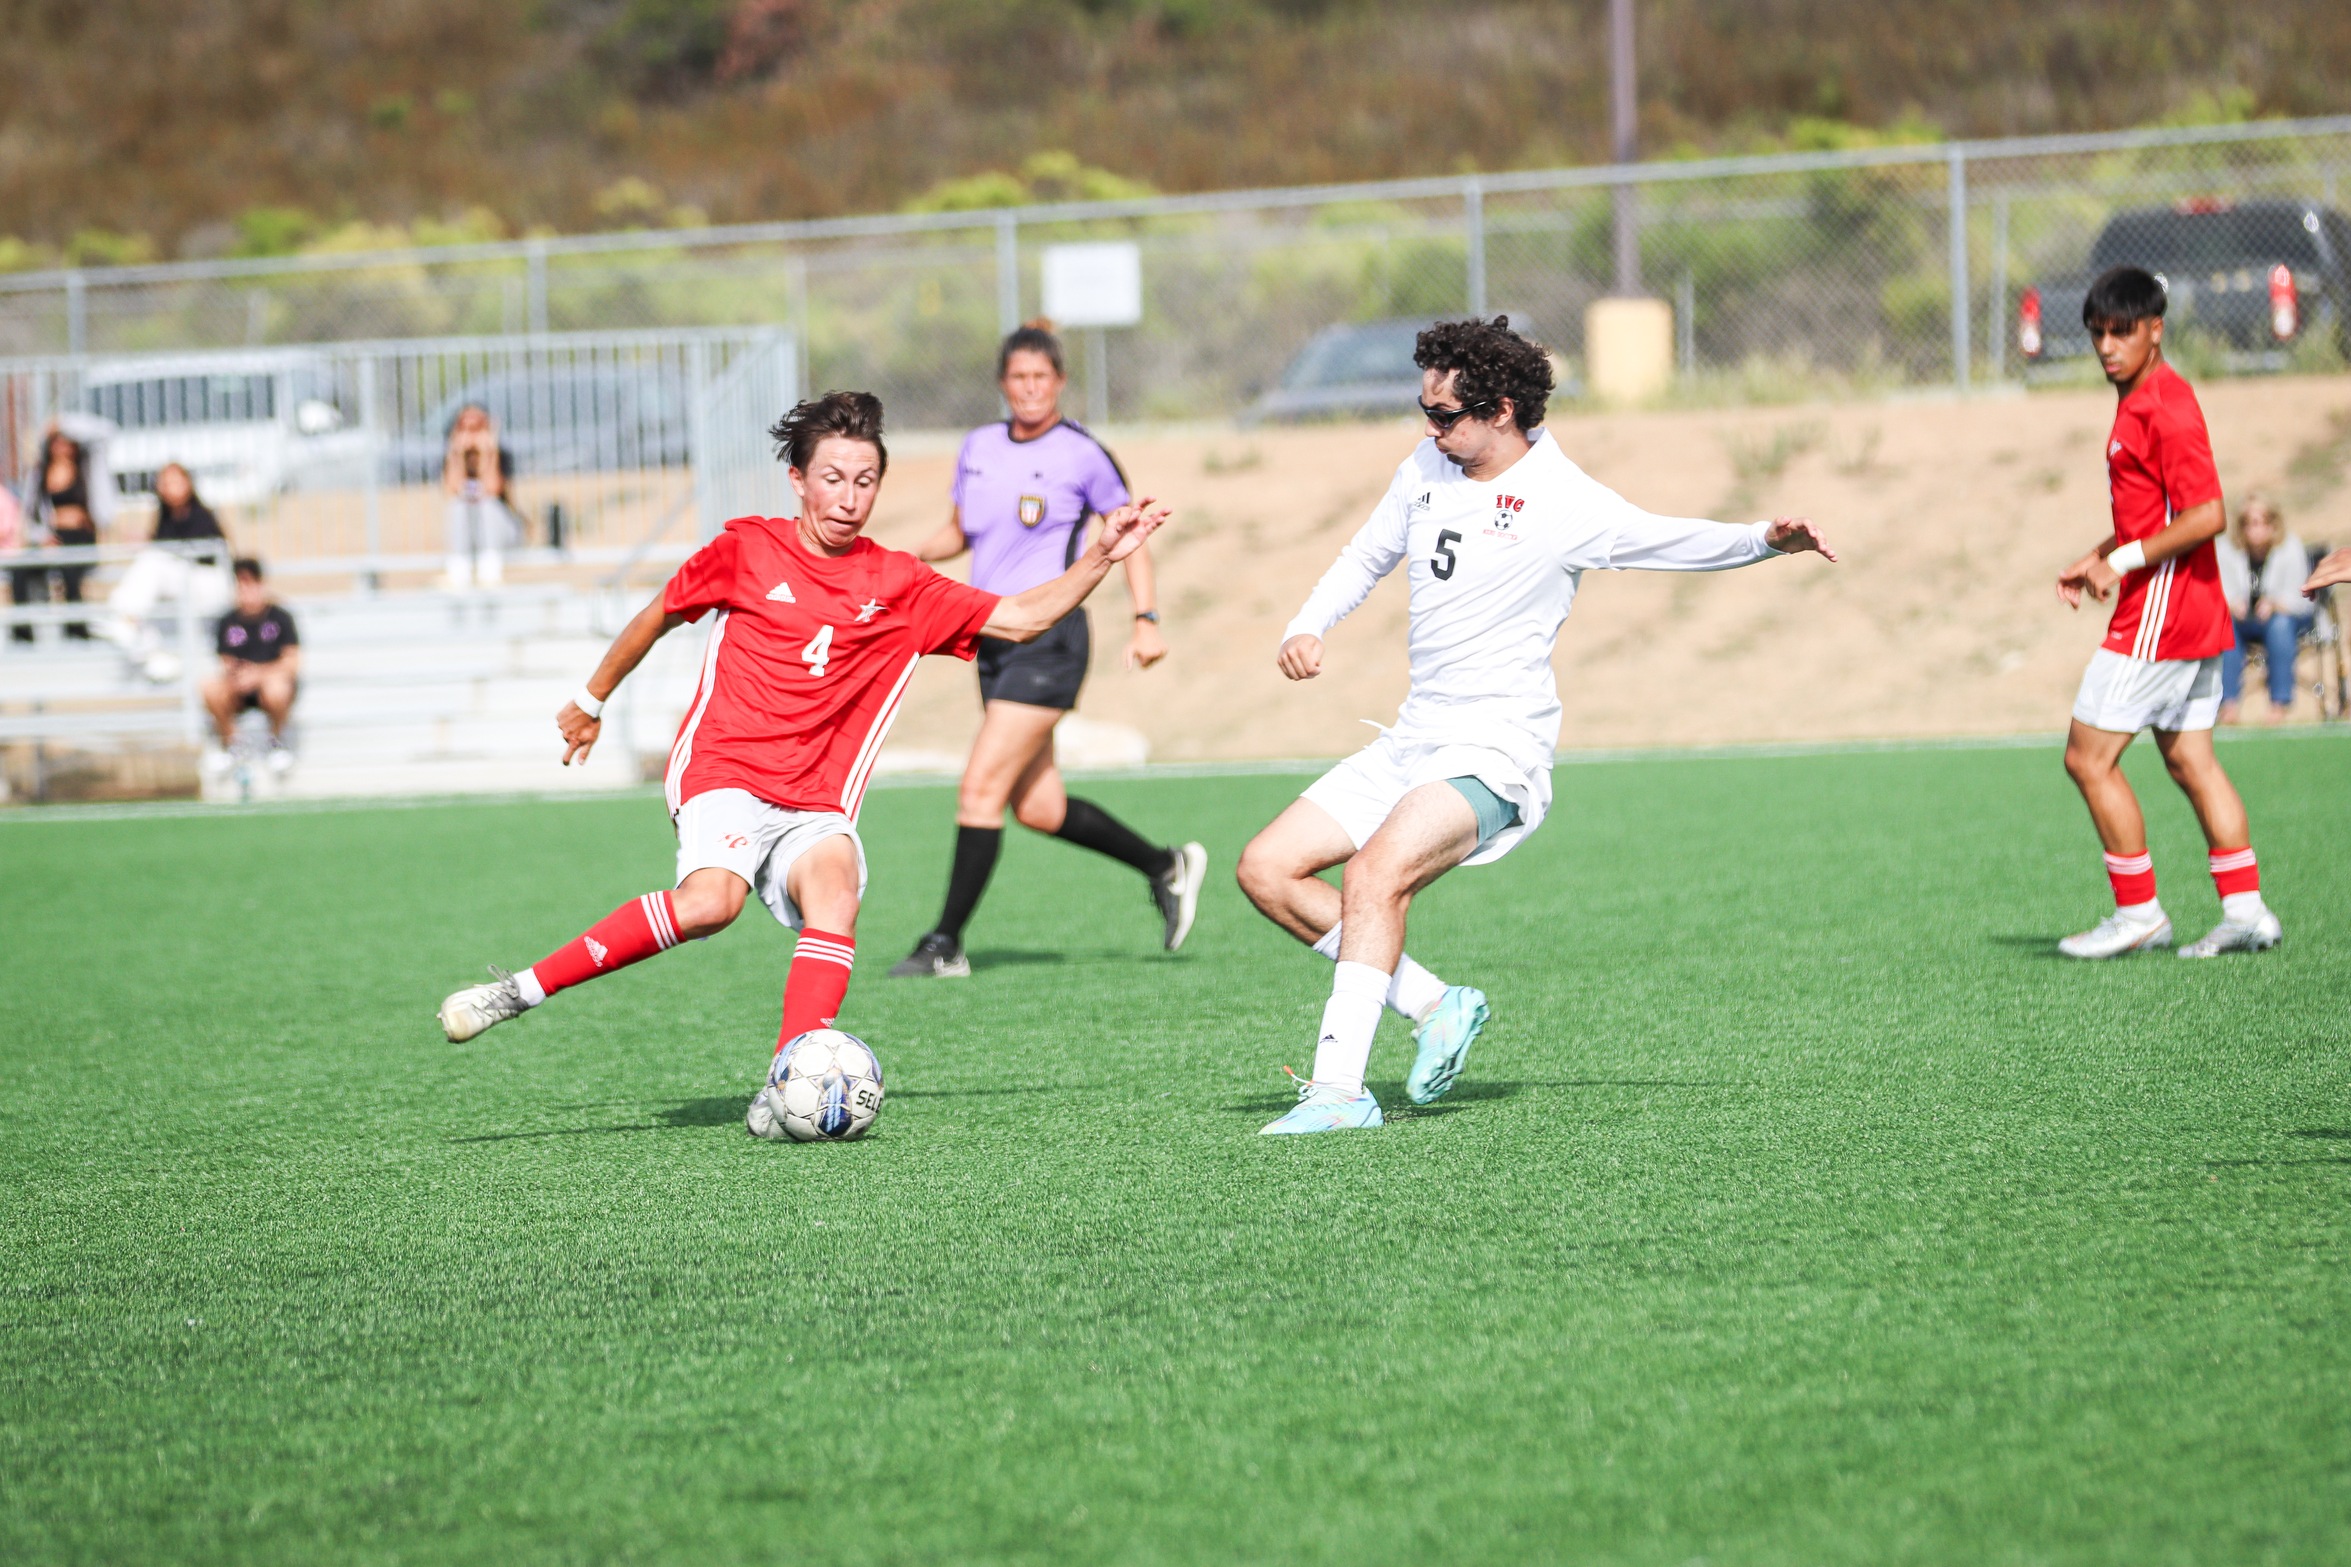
(2258,277)
(246,425)
(560,421)
(1363,371)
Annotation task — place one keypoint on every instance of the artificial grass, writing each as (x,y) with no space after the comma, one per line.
(1799,1205)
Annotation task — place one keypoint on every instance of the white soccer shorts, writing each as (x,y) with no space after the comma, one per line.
(2124,695)
(1361,791)
(737,831)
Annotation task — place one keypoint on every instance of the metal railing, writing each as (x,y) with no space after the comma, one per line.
(1875,266)
(328,457)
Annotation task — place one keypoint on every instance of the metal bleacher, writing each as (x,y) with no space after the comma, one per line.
(416,692)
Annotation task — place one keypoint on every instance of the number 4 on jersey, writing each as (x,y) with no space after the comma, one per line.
(819,651)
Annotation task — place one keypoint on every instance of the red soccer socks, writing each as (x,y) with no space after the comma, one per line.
(634,931)
(818,981)
(2133,876)
(2234,871)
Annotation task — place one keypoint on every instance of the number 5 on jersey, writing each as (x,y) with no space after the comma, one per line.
(819,651)
(1442,559)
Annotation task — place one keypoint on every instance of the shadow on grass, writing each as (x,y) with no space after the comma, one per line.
(2317,1133)
(1480,1092)
(726,1111)
(2042,947)
(2246,1164)
(1018,957)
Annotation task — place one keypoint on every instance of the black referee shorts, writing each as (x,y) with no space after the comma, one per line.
(1043,673)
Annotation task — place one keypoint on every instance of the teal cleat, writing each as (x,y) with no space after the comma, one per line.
(1444,1043)
(1323,1109)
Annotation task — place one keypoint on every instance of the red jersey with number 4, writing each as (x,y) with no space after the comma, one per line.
(807,661)
(2159,464)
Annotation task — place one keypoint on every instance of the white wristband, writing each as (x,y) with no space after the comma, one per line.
(2131,557)
(588,704)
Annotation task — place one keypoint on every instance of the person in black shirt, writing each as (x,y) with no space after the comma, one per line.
(62,507)
(260,666)
(167,570)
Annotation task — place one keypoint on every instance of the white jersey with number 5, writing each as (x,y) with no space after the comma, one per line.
(1493,566)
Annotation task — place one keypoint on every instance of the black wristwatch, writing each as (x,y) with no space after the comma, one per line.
(1151,615)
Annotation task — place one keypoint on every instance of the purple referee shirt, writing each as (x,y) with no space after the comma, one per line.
(1023,502)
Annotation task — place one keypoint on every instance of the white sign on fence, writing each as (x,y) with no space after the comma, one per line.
(1094,285)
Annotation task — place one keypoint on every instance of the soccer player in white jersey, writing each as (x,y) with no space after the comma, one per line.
(1494,527)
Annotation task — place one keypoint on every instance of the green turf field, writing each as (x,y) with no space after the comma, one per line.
(1800,1206)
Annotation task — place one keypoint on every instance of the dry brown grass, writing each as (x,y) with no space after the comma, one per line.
(166,119)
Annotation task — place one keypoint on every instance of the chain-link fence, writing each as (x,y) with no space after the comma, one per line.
(1786,275)
(337,456)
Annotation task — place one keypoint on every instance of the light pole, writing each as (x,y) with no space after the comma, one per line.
(1624,119)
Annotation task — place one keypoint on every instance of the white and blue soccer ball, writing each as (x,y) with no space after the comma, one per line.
(825,1087)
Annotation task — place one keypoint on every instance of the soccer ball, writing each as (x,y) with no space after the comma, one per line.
(825,1087)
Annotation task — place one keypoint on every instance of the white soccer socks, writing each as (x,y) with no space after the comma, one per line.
(1412,992)
(1349,1020)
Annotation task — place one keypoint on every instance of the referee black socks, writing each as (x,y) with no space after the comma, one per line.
(1091,827)
(975,858)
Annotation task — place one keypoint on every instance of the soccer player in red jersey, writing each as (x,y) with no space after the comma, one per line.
(2160,665)
(817,633)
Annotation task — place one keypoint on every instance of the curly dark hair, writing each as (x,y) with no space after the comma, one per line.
(855,416)
(1492,362)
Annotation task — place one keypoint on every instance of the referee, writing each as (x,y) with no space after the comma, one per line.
(1024,491)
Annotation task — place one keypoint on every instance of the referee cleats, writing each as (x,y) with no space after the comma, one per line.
(1177,892)
(475,1008)
(1444,1043)
(937,956)
(2118,934)
(1324,1107)
(2258,934)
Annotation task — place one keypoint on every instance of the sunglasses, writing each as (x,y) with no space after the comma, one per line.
(1446,418)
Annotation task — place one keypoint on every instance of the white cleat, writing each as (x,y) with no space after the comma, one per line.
(2117,935)
(765,1119)
(475,1008)
(1178,893)
(2253,935)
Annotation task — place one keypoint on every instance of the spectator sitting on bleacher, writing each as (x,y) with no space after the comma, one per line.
(260,666)
(159,572)
(2262,568)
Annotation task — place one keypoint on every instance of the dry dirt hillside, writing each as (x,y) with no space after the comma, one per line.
(1952,517)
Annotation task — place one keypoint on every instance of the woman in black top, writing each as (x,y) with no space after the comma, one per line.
(60,514)
(179,515)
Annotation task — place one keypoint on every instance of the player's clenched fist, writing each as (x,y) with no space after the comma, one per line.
(1300,657)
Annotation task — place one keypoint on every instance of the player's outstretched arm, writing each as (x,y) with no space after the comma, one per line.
(1646,541)
(2335,568)
(628,650)
(1024,617)
(948,542)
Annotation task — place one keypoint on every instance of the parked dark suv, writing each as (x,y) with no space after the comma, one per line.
(2255,276)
